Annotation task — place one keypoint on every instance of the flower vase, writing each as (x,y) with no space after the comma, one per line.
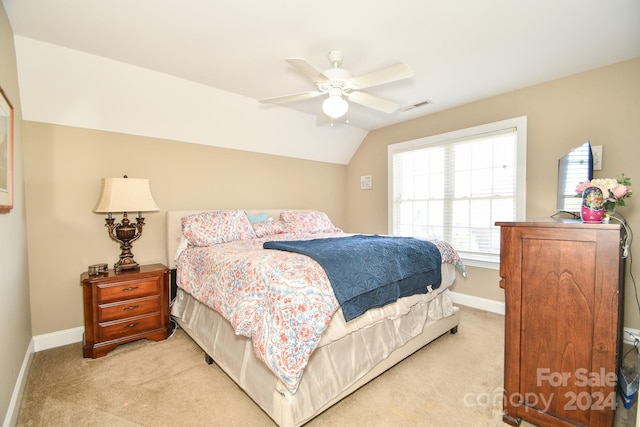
(592,206)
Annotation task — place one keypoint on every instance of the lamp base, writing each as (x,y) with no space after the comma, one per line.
(125,233)
(126,264)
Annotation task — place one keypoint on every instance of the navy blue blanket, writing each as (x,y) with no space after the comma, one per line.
(368,271)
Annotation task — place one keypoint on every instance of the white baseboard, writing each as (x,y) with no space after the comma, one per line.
(11,417)
(58,339)
(73,335)
(479,303)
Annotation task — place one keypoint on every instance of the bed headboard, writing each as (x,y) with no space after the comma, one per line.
(174,227)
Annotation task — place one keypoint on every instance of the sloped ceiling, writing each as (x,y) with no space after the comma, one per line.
(460,51)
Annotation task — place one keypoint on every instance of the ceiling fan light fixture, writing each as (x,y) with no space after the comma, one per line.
(335,106)
(340,86)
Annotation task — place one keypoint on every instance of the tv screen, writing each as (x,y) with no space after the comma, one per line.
(573,169)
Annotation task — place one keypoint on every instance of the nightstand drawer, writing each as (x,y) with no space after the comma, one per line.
(127,290)
(134,325)
(128,308)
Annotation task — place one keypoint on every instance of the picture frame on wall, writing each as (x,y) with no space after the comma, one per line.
(6,153)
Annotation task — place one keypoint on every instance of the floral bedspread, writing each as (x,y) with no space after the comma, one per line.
(283,301)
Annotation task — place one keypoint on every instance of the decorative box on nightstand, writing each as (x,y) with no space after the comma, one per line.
(124,307)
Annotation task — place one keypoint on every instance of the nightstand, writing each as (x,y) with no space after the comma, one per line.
(124,307)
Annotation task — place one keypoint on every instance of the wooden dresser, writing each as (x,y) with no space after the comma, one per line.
(125,307)
(563,283)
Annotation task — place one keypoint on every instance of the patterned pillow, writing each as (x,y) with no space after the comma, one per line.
(268,228)
(307,222)
(209,228)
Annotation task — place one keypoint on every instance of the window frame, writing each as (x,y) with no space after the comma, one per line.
(490,261)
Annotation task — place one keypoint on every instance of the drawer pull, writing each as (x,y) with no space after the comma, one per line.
(133,288)
(131,307)
(131,325)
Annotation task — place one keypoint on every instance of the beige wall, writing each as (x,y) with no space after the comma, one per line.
(602,106)
(15,316)
(63,169)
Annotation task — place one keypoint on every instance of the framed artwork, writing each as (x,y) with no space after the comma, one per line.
(6,153)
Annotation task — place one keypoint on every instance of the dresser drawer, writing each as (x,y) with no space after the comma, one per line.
(108,331)
(128,308)
(127,290)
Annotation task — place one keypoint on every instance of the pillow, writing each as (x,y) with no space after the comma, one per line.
(209,228)
(257,218)
(268,228)
(307,222)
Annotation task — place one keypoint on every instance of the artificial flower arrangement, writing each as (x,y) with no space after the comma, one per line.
(615,191)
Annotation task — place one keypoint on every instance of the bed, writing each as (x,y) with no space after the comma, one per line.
(345,354)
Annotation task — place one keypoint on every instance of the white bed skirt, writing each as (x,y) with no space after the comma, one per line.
(332,372)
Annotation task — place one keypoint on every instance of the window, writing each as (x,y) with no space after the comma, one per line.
(455,186)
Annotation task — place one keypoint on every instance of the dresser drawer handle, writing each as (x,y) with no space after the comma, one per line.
(131,325)
(131,307)
(133,288)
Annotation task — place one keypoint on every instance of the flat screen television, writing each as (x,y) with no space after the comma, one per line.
(573,169)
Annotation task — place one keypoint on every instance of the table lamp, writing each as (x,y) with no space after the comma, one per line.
(125,195)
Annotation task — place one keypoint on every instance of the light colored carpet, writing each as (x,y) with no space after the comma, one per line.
(454,381)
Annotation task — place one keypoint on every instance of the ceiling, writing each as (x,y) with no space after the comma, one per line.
(460,50)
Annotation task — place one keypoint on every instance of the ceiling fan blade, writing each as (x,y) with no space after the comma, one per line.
(290,98)
(386,75)
(374,102)
(306,68)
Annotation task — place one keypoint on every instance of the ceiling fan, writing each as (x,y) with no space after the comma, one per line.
(339,84)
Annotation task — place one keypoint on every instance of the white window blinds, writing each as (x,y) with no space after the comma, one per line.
(456,186)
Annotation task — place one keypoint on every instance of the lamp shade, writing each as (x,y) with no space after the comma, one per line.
(335,106)
(125,195)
